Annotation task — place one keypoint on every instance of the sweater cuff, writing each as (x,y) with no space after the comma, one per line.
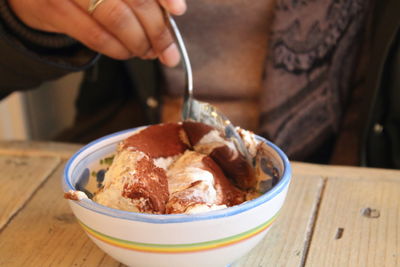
(31,37)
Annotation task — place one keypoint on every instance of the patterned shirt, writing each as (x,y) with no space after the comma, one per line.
(283,69)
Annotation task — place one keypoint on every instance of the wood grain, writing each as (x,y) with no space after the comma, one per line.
(38,148)
(358,224)
(286,243)
(20,176)
(333,215)
(347,172)
(46,233)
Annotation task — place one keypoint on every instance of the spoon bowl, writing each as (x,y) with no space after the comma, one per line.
(201,111)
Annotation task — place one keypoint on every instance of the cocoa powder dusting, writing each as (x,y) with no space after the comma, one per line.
(71,196)
(236,168)
(162,140)
(183,200)
(195,131)
(230,195)
(150,184)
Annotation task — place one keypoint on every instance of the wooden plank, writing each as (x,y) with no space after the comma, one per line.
(45,233)
(20,177)
(55,238)
(286,243)
(346,172)
(357,225)
(38,148)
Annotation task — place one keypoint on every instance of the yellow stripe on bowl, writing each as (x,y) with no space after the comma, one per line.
(178,248)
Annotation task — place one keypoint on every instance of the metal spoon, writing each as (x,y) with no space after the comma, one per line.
(201,111)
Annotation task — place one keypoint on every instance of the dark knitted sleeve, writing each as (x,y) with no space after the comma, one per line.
(30,36)
(30,57)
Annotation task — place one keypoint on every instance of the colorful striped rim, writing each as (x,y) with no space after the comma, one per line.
(179,248)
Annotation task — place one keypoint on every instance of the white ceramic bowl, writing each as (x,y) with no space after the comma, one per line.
(215,238)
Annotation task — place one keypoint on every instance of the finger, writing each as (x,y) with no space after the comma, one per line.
(119,20)
(175,7)
(71,20)
(152,19)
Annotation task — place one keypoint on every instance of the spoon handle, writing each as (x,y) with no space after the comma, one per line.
(188,97)
(202,111)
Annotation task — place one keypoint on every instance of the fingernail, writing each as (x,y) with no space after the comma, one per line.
(170,56)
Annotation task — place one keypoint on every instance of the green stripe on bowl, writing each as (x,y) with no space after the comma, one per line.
(178,248)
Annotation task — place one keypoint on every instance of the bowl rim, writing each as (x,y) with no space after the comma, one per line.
(176,218)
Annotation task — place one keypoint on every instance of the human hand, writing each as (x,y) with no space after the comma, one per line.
(120,29)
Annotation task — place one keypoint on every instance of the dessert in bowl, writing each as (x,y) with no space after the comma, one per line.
(210,221)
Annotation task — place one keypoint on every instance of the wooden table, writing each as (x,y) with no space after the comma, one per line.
(333,216)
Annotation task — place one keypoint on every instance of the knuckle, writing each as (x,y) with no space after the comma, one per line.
(117,17)
(140,4)
(161,39)
(144,50)
(141,48)
(97,39)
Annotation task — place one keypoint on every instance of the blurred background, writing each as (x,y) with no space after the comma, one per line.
(41,113)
